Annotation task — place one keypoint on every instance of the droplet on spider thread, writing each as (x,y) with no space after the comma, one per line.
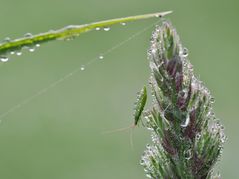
(82,68)
(101,57)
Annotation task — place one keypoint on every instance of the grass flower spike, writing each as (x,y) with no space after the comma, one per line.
(187,138)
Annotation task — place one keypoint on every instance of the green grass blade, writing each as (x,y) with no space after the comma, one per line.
(67,32)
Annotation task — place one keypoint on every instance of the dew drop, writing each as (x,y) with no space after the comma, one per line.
(106,28)
(31,49)
(185,52)
(198,136)
(7,39)
(4,59)
(212,100)
(69,38)
(186,123)
(148,175)
(188,154)
(123,23)
(158,15)
(28,35)
(12,52)
(19,53)
(82,68)
(97,28)
(101,57)
(142,162)
(38,45)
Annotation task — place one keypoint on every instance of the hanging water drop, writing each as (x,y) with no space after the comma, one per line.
(4,59)
(101,57)
(82,68)
(31,49)
(106,28)
(123,23)
(12,52)
(97,28)
(38,45)
(19,53)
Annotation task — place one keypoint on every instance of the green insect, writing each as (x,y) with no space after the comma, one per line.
(139,108)
(140,104)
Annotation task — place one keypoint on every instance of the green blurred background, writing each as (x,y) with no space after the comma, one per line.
(58,134)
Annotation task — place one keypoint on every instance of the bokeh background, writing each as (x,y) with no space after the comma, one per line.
(57,133)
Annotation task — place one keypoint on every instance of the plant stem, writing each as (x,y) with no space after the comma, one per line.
(67,32)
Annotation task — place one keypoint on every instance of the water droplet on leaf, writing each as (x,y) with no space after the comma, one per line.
(123,23)
(4,59)
(28,35)
(97,28)
(31,49)
(106,28)
(6,40)
(19,53)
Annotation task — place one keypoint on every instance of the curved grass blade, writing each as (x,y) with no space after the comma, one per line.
(68,32)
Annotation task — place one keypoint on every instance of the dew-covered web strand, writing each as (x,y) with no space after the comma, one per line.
(102,55)
(67,76)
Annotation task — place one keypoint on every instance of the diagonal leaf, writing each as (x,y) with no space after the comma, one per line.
(67,32)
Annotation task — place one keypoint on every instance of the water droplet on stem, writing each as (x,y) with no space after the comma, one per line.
(106,28)
(4,59)
(6,40)
(19,53)
(28,35)
(185,52)
(31,49)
